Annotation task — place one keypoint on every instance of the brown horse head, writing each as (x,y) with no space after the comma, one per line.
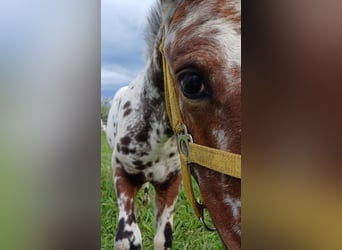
(202,46)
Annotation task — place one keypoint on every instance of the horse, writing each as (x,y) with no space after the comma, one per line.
(200,41)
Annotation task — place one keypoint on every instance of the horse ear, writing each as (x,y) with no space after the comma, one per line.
(168,8)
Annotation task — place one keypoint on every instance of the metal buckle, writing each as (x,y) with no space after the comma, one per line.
(183,141)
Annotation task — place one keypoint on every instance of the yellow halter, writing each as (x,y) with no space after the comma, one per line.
(224,162)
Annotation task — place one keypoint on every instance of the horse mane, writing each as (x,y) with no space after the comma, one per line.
(154,21)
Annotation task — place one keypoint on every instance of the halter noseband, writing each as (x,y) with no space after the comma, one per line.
(221,161)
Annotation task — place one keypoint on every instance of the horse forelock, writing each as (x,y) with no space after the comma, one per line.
(152,29)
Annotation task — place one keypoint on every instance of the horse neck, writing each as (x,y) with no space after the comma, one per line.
(150,90)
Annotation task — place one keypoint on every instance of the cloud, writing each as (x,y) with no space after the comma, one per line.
(122,39)
(116,74)
(111,77)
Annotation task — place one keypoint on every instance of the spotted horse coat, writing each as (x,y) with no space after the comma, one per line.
(202,45)
(144,150)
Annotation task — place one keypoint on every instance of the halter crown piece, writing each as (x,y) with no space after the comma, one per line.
(221,161)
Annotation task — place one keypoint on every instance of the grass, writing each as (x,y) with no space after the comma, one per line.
(188,232)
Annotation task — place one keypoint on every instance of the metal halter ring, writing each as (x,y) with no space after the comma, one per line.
(183,141)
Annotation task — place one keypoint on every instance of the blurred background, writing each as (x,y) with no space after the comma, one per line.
(50,101)
(50,74)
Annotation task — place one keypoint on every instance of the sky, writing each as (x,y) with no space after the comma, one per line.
(122,41)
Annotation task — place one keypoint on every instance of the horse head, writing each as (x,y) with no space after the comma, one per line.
(202,48)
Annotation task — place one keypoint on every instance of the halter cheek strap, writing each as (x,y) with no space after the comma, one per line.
(224,162)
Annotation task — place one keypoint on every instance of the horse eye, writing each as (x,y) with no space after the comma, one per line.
(192,85)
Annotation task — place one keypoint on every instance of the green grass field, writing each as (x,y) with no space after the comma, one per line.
(188,231)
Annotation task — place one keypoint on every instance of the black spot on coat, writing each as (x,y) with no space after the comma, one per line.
(142,136)
(125,150)
(137,163)
(127,104)
(127,112)
(125,140)
(168,235)
(121,233)
(117,160)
